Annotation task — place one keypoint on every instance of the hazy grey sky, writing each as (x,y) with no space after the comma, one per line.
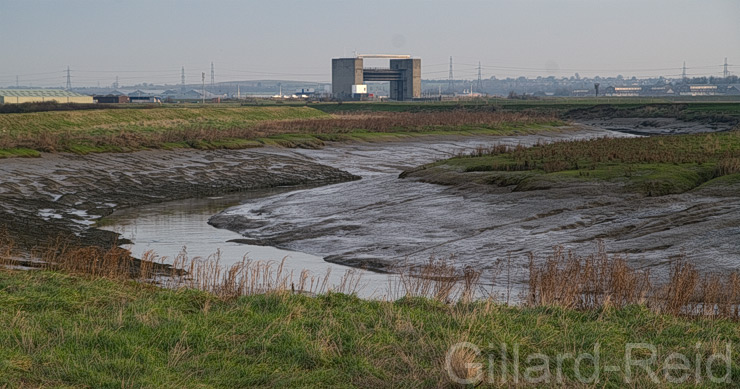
(146,40)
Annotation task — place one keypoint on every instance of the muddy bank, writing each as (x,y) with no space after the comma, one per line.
(657,119)
(64,194)
(382,221)
(657,126)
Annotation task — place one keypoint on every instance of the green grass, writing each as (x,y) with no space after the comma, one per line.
(65,331)
(650,179)
(652,166)
(19,152)
(156,119)
(230,127)
(117,130)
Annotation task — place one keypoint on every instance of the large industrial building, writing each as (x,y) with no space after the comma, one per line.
(348,77)
(17,96)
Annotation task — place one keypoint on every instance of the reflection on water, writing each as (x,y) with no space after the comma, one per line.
(169,228)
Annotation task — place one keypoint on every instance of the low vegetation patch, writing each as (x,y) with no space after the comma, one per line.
(18,152)
(652,166)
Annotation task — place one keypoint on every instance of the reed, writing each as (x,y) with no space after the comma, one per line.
(563,278)
(728,165)
(599,281)
(591,282)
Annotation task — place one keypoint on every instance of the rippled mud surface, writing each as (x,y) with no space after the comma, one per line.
(656,126)
(65,194)
(381,220)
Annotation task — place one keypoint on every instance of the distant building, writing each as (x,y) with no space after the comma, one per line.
(18,96)
(623,91)
(733,89)
(658,90)
(144,99)
(192,94)
(305,92)
(703,90)
(349,77)
(111,99)
(140,96)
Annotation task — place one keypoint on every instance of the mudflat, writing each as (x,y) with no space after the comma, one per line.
(65,193)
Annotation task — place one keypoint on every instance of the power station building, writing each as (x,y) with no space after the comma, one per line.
(348,77)
(18,96)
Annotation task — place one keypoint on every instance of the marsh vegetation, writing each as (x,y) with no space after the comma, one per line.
(652,166)
(101,130)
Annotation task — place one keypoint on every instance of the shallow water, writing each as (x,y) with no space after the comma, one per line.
(171,228)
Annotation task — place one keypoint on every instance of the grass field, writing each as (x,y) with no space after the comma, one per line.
(85,131)
(66,331)
(310,125)
(142,119)
(652,166)
(101,130)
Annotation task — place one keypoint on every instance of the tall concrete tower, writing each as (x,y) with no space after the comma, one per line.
(348,76)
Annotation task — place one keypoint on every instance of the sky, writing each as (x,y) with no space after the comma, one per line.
(151,40)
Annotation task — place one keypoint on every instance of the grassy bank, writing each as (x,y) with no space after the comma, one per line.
(101,130)
(231,126)
(66,331)
(651,166)
(149,118)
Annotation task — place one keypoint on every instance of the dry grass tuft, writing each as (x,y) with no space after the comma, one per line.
(728,165)
(563,278)
(600,281)
(438,279)
(571,281)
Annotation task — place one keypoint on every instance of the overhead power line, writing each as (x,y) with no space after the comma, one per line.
(451,78)
(69,79)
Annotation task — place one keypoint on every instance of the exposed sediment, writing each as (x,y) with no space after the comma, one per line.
(382,222)
(64,194)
